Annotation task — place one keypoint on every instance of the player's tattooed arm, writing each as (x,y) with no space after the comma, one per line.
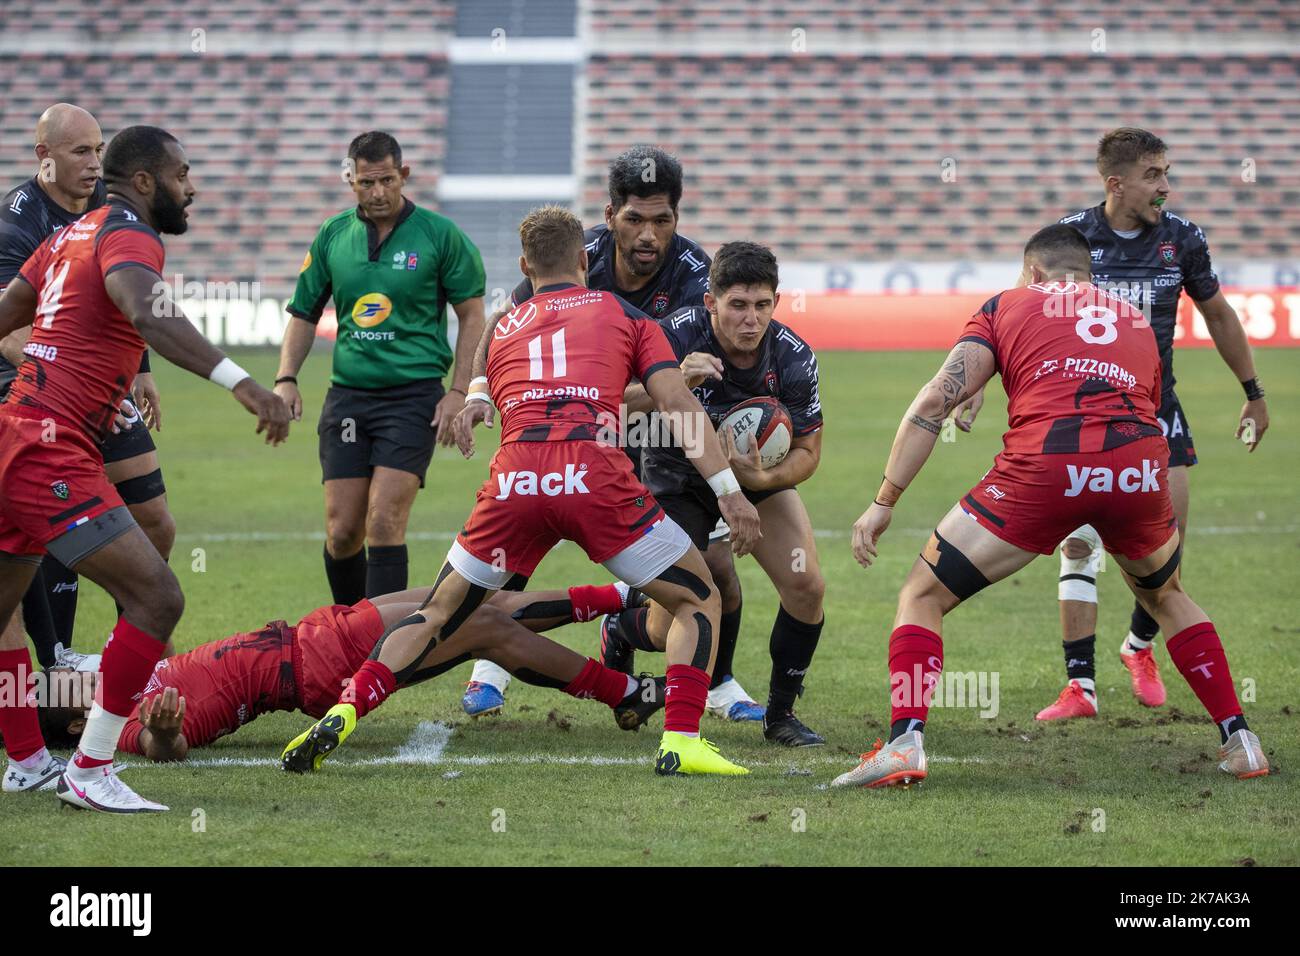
(967,369)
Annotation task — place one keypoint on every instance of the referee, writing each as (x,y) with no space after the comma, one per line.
(391,268)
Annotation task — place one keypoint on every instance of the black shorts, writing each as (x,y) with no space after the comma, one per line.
(1177,432)
(696,509)
(389,427)
(130,443)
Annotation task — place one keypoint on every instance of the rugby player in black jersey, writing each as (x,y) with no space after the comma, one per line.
(69,146)
(731,350)
(1148,256)
(638,254)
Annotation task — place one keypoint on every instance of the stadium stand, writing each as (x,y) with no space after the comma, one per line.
(843,158)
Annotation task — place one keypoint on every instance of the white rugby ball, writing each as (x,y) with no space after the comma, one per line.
(764,420)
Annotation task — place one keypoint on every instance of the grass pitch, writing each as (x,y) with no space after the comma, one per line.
(554,781)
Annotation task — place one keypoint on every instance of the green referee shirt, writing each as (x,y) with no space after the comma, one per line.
(391,297)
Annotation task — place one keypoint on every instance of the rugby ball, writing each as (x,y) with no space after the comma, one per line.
(764,420)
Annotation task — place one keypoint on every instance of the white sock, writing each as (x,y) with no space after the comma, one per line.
(1086,684)
(99,739)
(632,685)
(485,672)
(35,761)
(1135,643)
(684,734)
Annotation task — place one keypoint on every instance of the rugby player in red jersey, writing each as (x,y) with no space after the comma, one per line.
(95,294)
(556,369)
(1082,373)
(197,697)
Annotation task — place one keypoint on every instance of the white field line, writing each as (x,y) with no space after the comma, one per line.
(427,746)
(271,536)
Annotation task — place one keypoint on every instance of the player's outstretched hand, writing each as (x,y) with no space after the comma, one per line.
(1253,423)
(867,531)
(163,715)
(145,394)
(742,519)
(965,413)
(449,406)
(462,426)
(699,367)
(292,397)
(272,413)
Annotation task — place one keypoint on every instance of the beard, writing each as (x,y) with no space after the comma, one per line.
(168,214)
(642,268)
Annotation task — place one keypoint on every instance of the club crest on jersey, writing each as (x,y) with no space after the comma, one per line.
(772,384)
(60,489)
(660,304)
(1167,253)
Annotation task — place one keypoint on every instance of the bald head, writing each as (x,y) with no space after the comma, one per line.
(64,122)
(69,145)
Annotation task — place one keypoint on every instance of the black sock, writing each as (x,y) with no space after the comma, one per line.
(906,724)
(728,633)
(631,626)
(386,567)
(347,576)
(61,590)
(1142,624)
(792,646)
(1081,658)
(37,619)
(1230,726)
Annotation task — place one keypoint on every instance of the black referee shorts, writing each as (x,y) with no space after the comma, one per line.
(361,429)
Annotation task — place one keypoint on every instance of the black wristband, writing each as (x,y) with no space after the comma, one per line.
(286,378)
(1253,390)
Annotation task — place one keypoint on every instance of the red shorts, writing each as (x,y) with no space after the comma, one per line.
(539,493)
(51,480)
(1035,501)
(332,642)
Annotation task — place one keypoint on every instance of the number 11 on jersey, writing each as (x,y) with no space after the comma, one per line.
(536,367)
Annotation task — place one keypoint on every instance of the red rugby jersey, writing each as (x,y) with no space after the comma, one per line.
(558,363)
(84,353)
(1080,367)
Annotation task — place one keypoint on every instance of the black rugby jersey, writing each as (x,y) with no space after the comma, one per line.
(680,283)
(786,370)
(1150,271)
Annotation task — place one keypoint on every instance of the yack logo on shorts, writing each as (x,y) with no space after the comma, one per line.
(1103,481)
(572,482)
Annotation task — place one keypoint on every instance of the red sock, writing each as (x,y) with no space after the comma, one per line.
(370,687)
(915,662)
(684,698)
(598,682)
(129,659)
(18,724)
(590,601)
(1198,655)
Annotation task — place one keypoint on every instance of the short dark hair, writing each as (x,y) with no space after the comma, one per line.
(375,147)
(1121,148)
(1060,248)
(134,149)
(551,237)
(54,723)
(645,171)
(742,263)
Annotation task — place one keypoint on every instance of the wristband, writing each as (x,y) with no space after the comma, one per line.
(877,501)
(724,483)
(479,397)
(286,378)
(457,388)
(481,380)
(1253,390)
(227,374)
